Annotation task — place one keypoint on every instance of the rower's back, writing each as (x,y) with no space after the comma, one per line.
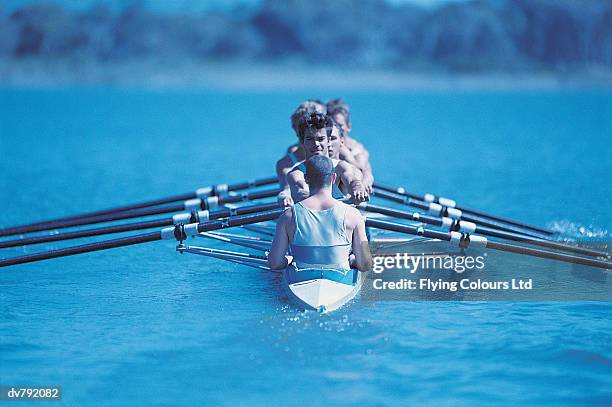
(320,231)
(320,236)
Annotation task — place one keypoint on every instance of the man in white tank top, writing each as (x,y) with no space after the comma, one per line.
(321,229)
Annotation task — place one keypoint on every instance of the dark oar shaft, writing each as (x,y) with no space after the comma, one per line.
(414,230)
(86,248)
(212,190)
(138,213)
(85,233)
(568,258)
(425,206)
(466,210)
(167,233)
(213,214)
(482,230)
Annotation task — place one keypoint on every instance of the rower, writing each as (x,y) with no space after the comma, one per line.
(354,153)
(295,153)
(320,230)
(314,131)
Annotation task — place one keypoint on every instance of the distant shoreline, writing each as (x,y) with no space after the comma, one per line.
(36,73)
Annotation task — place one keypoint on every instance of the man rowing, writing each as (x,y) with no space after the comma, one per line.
(314,131)
(295,152)
(351,151)
(320,230)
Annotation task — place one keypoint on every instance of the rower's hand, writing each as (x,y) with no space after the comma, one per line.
(284,200)
(360,196)
(368,183)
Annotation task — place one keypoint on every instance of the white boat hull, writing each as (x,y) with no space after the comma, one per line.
(322,290)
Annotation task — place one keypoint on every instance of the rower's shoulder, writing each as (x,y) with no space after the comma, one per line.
(352,212)
(355,146)
(284,161)
(295,168)
(286,216)
(345,167)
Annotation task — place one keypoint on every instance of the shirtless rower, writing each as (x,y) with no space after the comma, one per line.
(352,151)
(320,229)
(295,152)
(314,131)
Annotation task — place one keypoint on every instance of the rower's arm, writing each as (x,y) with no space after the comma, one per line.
(277,259)
(298,186)
(348,156)
(367,178)
(281,172)
(351,177)
(359,151)
(361,250)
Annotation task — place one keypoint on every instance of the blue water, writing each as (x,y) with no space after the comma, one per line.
(146,326)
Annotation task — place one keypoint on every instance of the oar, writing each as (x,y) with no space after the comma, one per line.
(178,232)
(439,210)
(193,217)
(464,241)
(191,204)
(450,203)
(470,227)
(201,193)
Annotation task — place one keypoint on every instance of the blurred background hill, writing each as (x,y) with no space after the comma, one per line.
(84,41)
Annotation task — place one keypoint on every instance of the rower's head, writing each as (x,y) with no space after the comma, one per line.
(335,141)
(319,173)
(341,113)
(306,107)
(314,130)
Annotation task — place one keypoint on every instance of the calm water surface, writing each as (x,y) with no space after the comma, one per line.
(146,326)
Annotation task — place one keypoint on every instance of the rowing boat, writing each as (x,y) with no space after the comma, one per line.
(209,210)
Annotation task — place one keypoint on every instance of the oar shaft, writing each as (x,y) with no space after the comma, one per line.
(506,247)
(201,192)
(482,230)
(568,258)
(86,233)
(429,207)
(481,214)
(539,242)
(213,214)
(86,248)
(178,232)
(137,213)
